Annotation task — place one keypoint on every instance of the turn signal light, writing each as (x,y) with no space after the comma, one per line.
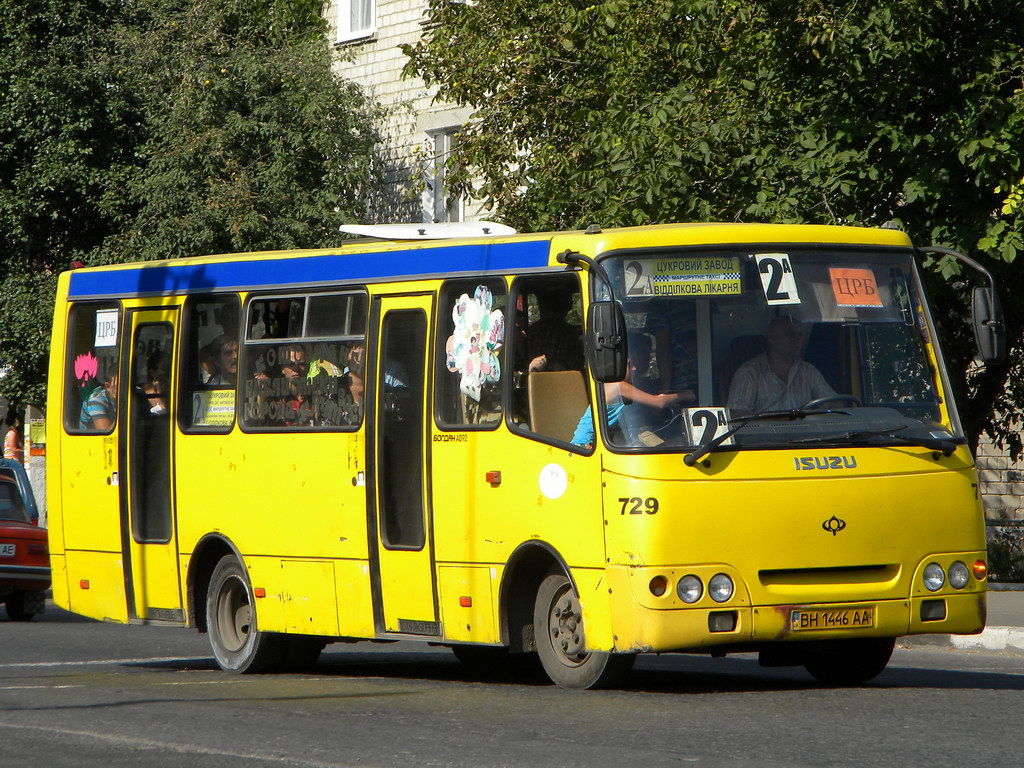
(659,586)
(980,569)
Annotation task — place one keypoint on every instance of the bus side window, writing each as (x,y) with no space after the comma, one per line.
(90,397)
(471,355)
(303,362)
(549,384)
(210,352)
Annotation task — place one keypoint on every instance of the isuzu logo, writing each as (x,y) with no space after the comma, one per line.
(834,525)
(824,462)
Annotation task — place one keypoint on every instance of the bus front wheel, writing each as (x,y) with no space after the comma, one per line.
(561,644)
(849,662)
(237,644)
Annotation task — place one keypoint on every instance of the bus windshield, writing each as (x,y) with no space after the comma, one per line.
(778,347)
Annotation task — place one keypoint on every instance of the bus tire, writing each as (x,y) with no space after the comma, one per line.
(561,644)
(17,608)
(237,644)
(849,662)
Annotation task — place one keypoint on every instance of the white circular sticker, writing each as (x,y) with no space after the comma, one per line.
(553,481)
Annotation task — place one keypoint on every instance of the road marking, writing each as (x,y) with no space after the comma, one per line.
(184,749)
(31,687)
(101,662)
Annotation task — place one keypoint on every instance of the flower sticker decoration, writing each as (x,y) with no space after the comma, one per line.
(473,346)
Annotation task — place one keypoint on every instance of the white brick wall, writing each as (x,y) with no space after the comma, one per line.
(376,64)
(1002,483)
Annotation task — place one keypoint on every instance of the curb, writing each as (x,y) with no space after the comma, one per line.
(1000,639)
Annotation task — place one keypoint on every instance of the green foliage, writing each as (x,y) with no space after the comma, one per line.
(626,112)
(1006,554)
(252,142)
(60,128)
(141,129)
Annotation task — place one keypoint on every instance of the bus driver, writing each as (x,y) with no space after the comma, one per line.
(778,379)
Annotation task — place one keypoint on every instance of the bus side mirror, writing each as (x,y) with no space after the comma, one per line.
(606,341)
(989,328)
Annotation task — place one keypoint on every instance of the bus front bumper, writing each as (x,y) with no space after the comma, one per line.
(641,627)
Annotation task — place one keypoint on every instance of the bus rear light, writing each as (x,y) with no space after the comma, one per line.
(658,586)
(980,569)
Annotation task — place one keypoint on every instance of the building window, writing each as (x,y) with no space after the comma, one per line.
(356,19)
(438,203)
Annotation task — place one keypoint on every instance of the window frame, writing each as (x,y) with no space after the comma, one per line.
(344,33)
(440,353)
(71,421)
(247,347)
(188,363)
(519,343)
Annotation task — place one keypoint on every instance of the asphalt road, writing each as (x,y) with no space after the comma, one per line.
(79,693)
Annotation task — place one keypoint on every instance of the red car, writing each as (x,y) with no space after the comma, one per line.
(24,555)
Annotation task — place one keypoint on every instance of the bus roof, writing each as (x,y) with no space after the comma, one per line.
(379,261)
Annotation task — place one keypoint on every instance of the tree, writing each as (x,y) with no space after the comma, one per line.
(60,128)
(624,112)
(252,141)
(142,129)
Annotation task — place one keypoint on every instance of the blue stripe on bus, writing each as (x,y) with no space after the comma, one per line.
(348,267)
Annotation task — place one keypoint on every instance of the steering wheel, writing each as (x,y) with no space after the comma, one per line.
(829,398)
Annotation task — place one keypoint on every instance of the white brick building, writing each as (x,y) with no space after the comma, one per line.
(419,132)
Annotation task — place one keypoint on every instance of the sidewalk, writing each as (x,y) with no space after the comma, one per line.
(1004,631)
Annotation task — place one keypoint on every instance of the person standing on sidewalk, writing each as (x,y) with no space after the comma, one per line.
(14,442)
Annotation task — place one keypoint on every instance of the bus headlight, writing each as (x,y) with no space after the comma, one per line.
(720,587)
(934,577)
(958,575)
(690,589)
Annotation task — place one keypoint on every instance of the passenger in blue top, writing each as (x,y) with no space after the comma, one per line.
(99,411)
(622,395)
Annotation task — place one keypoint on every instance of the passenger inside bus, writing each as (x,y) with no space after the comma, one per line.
(777,379)
(155,388)
(99,411)
(552,342)
(627,407)
(223,353)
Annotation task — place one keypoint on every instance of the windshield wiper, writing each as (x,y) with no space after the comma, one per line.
(797,413)
(947,445)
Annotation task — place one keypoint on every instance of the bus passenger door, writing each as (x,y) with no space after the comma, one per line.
(405,598)
(148,526)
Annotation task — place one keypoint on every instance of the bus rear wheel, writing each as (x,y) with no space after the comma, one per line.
(23,606)
(849,662)
(561,643)
(237,644)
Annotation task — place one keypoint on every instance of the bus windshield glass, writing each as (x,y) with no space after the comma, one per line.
(778,347)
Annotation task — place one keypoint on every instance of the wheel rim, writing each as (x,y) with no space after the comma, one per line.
(234,615)
(565,627)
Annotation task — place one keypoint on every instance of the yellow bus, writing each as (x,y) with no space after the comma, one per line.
(700,438)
